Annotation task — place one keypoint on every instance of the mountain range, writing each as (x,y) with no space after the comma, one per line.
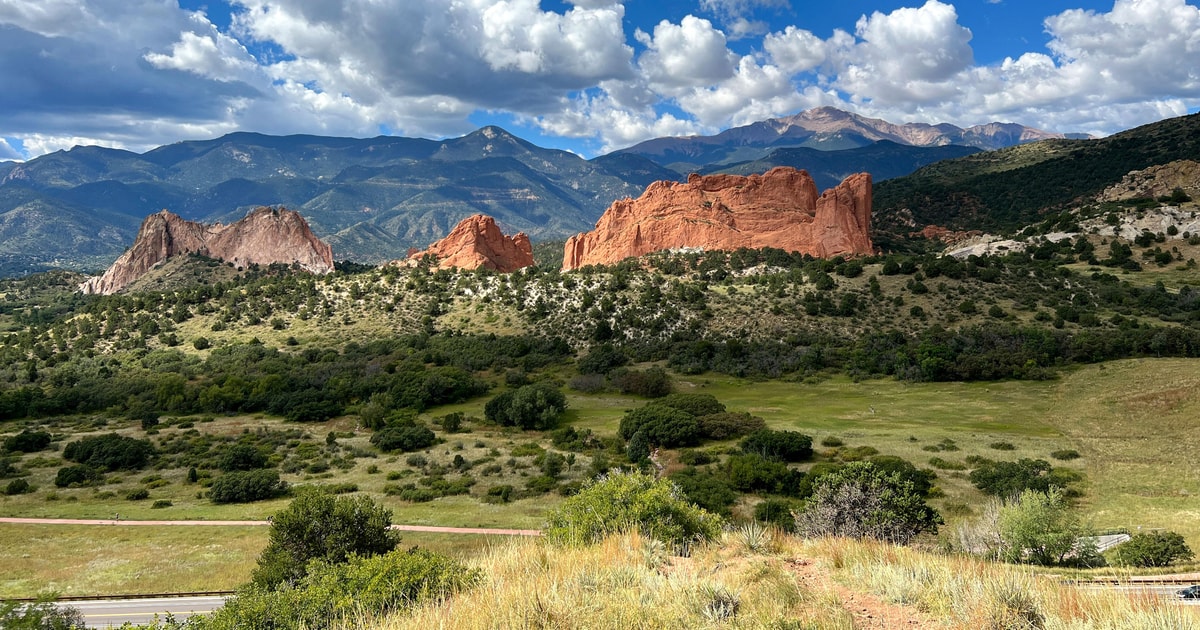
(373,199)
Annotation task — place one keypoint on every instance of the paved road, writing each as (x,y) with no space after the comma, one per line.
(111,613)
(407,528)
(114,612)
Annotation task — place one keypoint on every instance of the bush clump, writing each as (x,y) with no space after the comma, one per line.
(27,441)
(861,500)
(245,486)
(786,446)
(624,501)
(242,457)
(532,407)
(1008,479)
(76,475)
(1152,549)
(357,588)
(403,438)
(110,452)
(17,486)
(324,527)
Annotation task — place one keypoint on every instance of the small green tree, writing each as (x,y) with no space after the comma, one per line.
(625,501)
(638,449)
(861,500)
(1039,528)
(1152,549)
(320,526)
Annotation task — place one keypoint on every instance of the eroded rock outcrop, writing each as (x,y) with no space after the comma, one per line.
(478,242)
(265,236)
(779,208)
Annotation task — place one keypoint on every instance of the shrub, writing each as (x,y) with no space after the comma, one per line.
(244,486)
(160,504)
(653,383)
(17,486)
(499,494)
(922,480)
(320,526)
(754,473)
(601,360)
(27,441)
(727,425)
(137,494)
(706,490)
(532,407)
(541,484)
(832,441)
(777,512)
(620,502)
(1002,446)
(1065,454)
(863,501)
(1152,549)
(242,457)
(787,446)
(77,475)
(693,457)
(110,452)
(661,426)
(1005,479)
(695,404)
(359,588)
(404,438)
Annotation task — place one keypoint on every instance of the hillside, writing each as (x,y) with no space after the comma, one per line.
(1010,188)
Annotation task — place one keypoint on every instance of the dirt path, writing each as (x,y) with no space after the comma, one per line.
(869,612)
(406,528)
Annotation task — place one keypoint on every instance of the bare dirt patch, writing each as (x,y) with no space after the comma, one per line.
(869,611)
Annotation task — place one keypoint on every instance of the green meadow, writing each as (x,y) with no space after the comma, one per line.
(1133,422)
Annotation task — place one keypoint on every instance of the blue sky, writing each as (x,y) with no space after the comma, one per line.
(585,75)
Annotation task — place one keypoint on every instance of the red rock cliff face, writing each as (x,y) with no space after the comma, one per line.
(265,236)
(477,242)
(779,208)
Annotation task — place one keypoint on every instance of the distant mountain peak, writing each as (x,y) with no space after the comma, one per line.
(826,128)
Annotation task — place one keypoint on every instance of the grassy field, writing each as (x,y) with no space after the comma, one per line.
(1132,422)
(1135,422)
(73,560)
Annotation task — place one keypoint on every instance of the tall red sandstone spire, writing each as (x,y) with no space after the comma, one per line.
(477,242)
(779,208)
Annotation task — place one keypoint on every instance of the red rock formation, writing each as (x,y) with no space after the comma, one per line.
(779,208)
(265,236)
(477,242)
(945,235)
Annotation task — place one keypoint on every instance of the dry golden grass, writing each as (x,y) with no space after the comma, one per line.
(626,582)
(970,593)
